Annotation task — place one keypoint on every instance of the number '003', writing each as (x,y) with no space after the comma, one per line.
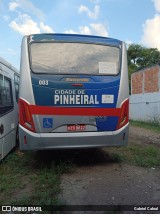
(43,82)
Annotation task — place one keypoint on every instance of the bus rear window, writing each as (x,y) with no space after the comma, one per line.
(74,58)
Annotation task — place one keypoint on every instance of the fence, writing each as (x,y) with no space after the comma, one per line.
(145,98)
(145,107)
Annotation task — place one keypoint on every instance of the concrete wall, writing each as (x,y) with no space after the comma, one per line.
(145,95)
(145,107)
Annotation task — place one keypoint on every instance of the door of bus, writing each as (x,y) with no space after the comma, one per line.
(7,115)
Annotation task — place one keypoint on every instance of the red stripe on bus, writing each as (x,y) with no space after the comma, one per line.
(45,110)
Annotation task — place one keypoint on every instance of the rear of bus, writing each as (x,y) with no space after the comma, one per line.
(73,92)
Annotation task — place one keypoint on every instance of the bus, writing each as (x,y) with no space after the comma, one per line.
(9,86)
(73,92)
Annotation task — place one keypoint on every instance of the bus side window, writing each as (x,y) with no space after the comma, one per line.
(7,92)
(6,99)
(16,83)
(1,89)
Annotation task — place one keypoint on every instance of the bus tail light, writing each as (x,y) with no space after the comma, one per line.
(25,116)
(124,116)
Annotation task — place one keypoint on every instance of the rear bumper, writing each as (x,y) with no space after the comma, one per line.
(40,141)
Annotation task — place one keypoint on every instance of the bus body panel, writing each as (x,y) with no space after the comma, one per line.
(124,86)
(40,141)
(9,112)
(95,89)
(25,78)
(54,113)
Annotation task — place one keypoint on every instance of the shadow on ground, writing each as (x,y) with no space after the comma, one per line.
(77,157)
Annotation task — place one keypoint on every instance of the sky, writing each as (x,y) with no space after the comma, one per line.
(132,21)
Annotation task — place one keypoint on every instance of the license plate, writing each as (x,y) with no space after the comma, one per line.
(76,128)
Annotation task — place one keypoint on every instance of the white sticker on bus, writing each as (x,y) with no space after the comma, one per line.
(107,98)
(107,68)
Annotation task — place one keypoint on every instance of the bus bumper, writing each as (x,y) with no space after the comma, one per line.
(42,141)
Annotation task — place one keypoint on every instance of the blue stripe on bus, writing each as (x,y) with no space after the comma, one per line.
(55,81)
(45,96)
(97,85)
(106,123)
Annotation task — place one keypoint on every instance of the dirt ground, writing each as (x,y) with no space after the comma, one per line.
(99,181)
(141,135)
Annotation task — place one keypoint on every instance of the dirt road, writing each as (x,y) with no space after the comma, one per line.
(98,180)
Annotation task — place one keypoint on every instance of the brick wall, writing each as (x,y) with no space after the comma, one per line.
(146,80)
(137,80)
(151,80)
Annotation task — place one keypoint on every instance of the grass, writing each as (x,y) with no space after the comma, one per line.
(136,154)
(142,154)
(34,177)
(31,179)
(155,126)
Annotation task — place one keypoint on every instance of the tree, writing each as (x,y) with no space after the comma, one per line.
(134,52)
(140,57)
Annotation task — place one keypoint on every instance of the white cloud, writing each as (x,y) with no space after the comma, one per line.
(157,5)
(45,28)
(129,42)
(151,32)
(13,6)
(151,29)
(93,15)
(71,31)
(24,25)
(85,30)
(98,29)
(27,6)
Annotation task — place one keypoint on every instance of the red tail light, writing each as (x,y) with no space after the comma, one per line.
(25,116)
(124,116)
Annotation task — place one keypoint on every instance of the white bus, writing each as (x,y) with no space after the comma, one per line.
(9,85)
(73,92)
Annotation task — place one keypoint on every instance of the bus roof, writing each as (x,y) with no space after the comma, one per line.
(7,64)
(74,38)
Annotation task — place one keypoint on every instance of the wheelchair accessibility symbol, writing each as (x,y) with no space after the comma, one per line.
(47,122)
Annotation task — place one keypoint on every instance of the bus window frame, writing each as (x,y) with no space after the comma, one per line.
(65,74)
(16,83)
(5,109)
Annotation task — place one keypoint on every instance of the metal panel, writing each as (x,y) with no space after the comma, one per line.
(38,141)
(9,120)
(124,87)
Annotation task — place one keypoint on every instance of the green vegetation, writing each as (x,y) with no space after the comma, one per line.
(139,155)
(153,125)
(30,178)
(140,57)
